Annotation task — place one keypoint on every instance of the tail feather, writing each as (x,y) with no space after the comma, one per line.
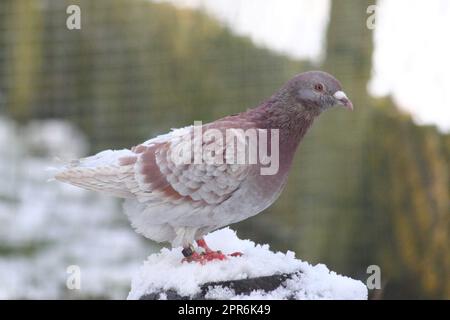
(101,172)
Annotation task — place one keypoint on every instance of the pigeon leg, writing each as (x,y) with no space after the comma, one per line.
(202,244)
(209,254)
(214,254)
(191,256)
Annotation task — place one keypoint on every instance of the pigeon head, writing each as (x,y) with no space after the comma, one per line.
(316,91)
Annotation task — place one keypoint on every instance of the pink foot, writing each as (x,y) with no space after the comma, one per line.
(203,258)
(208,255)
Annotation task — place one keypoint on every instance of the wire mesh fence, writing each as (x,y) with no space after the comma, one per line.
(137,68)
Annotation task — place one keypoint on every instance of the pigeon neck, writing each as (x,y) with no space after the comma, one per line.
(291,121)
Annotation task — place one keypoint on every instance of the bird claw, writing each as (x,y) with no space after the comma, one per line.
(208,256)
(204,257)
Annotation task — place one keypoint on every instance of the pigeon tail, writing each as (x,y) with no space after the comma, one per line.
(101,172)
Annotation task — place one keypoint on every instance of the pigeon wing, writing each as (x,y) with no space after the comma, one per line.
(162,175)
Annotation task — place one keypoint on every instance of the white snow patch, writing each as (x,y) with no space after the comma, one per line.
(47,226)
(165,271)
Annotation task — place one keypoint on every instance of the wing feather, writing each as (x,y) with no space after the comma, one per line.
(163,178)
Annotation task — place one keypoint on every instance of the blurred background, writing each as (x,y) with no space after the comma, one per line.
(368,187)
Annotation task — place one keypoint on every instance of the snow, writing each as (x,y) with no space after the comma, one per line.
(47,226)
(164,271)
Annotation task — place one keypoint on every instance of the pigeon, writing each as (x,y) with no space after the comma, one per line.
(173,194)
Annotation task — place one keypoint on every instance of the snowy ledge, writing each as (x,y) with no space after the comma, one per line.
(258,274)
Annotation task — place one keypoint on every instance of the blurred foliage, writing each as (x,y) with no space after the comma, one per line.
(407,181)
(369,187)
(133,64)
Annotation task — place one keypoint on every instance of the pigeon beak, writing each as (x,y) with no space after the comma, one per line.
(342,100)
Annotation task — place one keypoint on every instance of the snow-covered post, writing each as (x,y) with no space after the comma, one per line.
(258,274)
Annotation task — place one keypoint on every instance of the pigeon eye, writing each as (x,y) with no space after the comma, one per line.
(318,87)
